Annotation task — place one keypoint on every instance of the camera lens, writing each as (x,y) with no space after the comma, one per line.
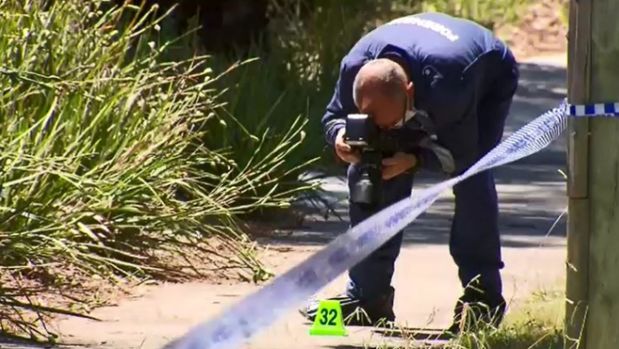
(363,190)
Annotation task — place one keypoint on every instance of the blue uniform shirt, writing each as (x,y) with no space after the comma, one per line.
(451,62)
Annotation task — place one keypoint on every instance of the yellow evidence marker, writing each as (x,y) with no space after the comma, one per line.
(329,320)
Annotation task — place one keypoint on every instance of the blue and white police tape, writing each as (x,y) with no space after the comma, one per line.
(595,109)
(259,310)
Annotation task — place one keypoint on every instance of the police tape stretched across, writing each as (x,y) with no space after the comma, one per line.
(260,309)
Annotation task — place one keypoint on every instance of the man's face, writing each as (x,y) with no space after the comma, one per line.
(386,111)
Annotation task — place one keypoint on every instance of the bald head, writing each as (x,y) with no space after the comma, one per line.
(382,90)
(380,76)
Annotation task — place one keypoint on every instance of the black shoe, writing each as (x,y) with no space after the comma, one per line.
(355,312)
(476,310)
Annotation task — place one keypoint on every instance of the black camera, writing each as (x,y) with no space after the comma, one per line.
(363,135)
(374,144)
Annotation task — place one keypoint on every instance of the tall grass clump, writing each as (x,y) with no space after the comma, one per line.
(114,159)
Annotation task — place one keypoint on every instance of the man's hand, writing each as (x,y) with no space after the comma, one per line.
(398,164)
(343,150)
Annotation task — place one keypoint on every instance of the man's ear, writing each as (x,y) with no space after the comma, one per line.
(410,90)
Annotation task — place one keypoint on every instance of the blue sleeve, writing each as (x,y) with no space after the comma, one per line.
(342,102)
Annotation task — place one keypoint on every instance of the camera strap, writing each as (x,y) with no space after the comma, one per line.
(443,155)
(420,121)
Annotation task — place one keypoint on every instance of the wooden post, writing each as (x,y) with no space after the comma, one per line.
(592,312)
(579,65)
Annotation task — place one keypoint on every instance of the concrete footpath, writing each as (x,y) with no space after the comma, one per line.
(532,198)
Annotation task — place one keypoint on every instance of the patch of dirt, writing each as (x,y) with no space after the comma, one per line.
(31,298)
(542,30)
(60,288)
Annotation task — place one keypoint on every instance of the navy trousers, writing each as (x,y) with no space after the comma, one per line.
(474,240)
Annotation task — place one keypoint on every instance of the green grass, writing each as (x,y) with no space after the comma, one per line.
(536,323)
(115,157)
(490,13)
